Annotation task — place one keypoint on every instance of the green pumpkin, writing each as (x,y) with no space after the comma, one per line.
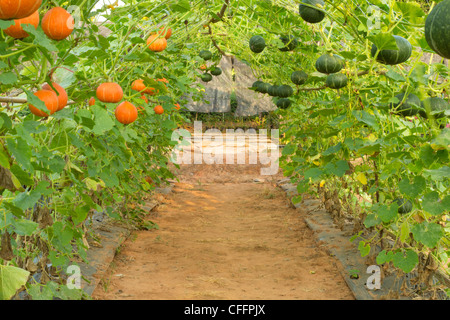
(257,85)
(205,55)
(257,44)
(285,91)
(290,43)
(264,87)
(299,77)
(336,81)
(329,63)
(409,107)
(284,103)
(216,71)
(393,57)
(273,91)
(437,26)
(206,77)
(310,14)
(404,205)
(434,106)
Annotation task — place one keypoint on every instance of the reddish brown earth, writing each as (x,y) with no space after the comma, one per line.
(223,236)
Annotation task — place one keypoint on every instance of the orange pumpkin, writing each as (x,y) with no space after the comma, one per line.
(58,24)
(91,101)
(165,32)
(203,67)
(51,102)
(109,92)
(16,31)
(126,113)
(60,93)
(144,98)
(156,43)
(159,110)
(14,9)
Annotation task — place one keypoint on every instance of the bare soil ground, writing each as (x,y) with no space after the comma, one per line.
(224,236)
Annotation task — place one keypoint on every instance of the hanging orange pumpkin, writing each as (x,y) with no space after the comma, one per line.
(58,24)
(15,9)
(109,92)
(159,110)
(165,32)
(51,102)
(126,113)
(60,93)
(16,31)
(156,43)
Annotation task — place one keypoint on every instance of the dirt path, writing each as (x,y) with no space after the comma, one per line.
(223,236)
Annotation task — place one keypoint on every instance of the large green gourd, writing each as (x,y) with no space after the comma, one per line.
(309,14)
(336,81)
(299,77)
(205,55)
(216,71)
(206,77)
(290,43)
(409,107)
(257,44)
(285,91)
(404,205)
(328,63)
(437,29)
(393,57)
(284,103)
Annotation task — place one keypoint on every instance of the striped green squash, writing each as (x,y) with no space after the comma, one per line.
(437,29)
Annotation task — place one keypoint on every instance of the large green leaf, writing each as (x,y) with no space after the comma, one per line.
(428,233)
(11,280)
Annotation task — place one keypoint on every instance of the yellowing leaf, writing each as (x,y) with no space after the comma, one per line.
(322,183)
(361,177)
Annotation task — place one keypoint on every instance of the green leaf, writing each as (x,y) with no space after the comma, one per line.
(395,76)
(25,227)
(364,248)
(289,149)
(103,121)
(367,118)
(406,260)
(8,78)
(438,174)
(412,189)
(384,41)
(313,173)
(432,204)
(26,200)
(21,151)
(339,168)
(5,24)
(386,213)
(429,234)
(11,280)
(404,231)
(384,257)
(371,220)
(332,150)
